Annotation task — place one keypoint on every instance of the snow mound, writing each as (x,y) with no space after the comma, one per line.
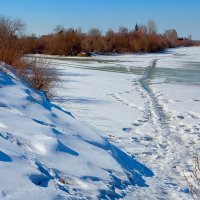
(45,153)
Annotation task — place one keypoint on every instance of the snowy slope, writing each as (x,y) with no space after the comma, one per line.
(45,153)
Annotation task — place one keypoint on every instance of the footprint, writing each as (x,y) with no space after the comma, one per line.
(4,157)
(142,121)
(3,105)
(194,116)
(43,123)
(127,92)
(128,130)
(147,138)
(39,180)
(92,178)
(136,124)
(135,139)
(196,100)
(180,117)
(188,130)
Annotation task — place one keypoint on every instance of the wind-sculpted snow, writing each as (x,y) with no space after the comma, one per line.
(45,153)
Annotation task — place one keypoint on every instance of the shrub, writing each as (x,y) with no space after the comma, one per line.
(193,180)
(10,31)
(39,74)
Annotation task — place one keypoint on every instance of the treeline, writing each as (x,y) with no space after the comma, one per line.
(142,39)
(39,74)
(36,73)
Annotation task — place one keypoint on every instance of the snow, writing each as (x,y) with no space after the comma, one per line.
(46,153)
(150,112)
(119,127)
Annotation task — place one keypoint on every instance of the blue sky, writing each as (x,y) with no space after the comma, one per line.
(42,16)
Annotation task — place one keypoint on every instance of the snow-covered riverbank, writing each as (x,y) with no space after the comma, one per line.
(147,105)
(133,131)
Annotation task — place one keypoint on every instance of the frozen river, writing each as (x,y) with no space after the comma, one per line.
(148,105)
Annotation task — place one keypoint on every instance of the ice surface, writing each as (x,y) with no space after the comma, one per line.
(147,105)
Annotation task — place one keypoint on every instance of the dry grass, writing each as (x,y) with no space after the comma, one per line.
(63,181)
(193,180)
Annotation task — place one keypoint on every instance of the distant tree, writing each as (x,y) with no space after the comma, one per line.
(110,41)
(59,29)
(123,30)
(67,42)
(151,27)
(190,37)
(94,32)
(93,42)
(10,31)
(171,36)
(142,28)
(136,27)
(10,27)
(122,43)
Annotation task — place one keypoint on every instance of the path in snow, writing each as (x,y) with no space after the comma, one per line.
(160,140)
(172,143)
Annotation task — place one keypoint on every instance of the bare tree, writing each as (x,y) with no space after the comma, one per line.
(94,32)
(151,27)
(171,35)
(10,31)
(38,74)
(11,27)
(93,41)
(59,29)
(142,28)
(123,30)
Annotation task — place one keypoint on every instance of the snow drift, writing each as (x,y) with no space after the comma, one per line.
(45,153)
